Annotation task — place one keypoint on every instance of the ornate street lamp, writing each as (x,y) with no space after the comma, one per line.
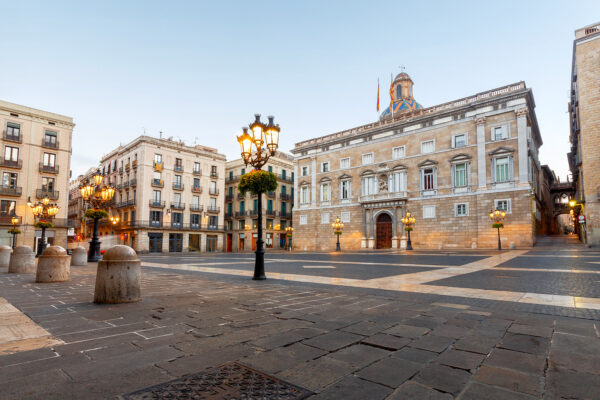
(44,212)
(97,198)
(337,226)
(114,220)
(288,234)
(408,220)
(497,216)
(256,149)
(14,231)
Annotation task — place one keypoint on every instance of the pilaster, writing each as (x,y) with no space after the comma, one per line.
(522,145)
(481,158)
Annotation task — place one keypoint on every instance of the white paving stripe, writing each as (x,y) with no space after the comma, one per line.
(318,266)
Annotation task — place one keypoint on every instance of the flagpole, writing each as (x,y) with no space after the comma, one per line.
(391,94)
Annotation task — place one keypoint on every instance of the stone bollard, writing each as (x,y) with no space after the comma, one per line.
(5,256)
(119,276)
(79,256)
(22,261)
(54,265)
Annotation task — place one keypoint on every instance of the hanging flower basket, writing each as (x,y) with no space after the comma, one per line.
(96,213)
(408,228)
(44,224)
(498,225)
(14,231)
(338,232)
(257,181)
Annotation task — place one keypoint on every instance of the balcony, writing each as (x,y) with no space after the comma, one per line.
(196,207)
(214,227)
(241,196)
(229,215)
(285,178)
(133,182)
(121,170)
(12,137)
(271,194)
(121,204)
(178,206)
(157,204)
(130,202)
(285,197)
(252,213)
(10,190)
(229,197)
(125,185)
(233,178)
(178,168)
(271,213)
(159,183)
(49,169)
(384,196)
(286,215)
(134,164)
(153,224)
(240,214)
(213,209)
(11,163)
(196,189)
(197,172)
(177,186)
(51,144)
(214,174)
(127,167)
(213,191)
(7,220)
(51,194)
(176,224)
(195,226)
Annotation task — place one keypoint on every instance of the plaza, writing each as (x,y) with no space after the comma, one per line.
(517,324)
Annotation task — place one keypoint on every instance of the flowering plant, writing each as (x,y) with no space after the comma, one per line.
(43,224)
(408,228)
(15,231)
(498,225)
(257,181)
(96,213)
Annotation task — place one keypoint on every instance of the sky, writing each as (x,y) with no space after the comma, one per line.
(198,71)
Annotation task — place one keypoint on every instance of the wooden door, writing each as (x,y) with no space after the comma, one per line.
(384,231)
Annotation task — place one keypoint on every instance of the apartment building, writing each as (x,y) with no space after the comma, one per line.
(35,164)
(169,196)
(241,212)
(584,111)
(449,165)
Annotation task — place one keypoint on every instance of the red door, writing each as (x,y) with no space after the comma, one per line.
(384,231)
(229,242)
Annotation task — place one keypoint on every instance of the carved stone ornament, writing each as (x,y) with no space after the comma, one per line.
(522,112)
(383,186)
(480,121)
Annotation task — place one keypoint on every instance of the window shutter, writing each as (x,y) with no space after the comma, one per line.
(435,178)
(422,183)
(509,206)
(493,170)
(391,187)
(468,177)
(453,171)
(510,168)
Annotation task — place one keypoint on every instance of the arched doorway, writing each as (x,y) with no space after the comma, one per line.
(384,231)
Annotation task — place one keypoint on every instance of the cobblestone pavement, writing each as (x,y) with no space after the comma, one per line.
(338,342)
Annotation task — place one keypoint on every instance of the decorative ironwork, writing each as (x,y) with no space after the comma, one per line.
(229,381)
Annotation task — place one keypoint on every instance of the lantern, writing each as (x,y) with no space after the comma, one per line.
(257,128)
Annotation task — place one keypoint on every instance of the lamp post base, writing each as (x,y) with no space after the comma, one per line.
(337,244)
(409,243)
(499,243)
(259,264)
(94,251)
(43,244)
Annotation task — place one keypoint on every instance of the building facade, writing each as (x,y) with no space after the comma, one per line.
(449,165)
(241,212)
(584,110)
(35,164)
(169,196)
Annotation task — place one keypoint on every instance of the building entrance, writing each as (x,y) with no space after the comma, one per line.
(384,231)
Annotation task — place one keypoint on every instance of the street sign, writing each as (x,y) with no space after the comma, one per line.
(581,219)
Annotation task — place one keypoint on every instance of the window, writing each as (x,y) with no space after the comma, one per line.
(283,189)
(49,159)
(305,171)
(213,221)
(242,207)
(367,158)
(325,167)
(157,178)
(11,153)
(255,225)
(428,178)
(178,164)
(213,203)
(460,175)
(47,184)
(503,205)
(241,225)
(345,163)
(398,152)
(229,190)
(283,208)
(269,205)
(459,140)
(303,219)
(157,159)
(325,218)
(213,170)
(197,184)
(397,182)
(304,195)
(195,220)
(177,198)
(177,219)
(428,146)
(155,218)
(50,138)
(270,168)
(502,170)
(197,167)
(499,133)
(428,211)
(13,130)
(369,185)
(7,208)
(243,171)
(269,224)
(325,193)
(461,209)
(156,195)
(345,192)
(345,216)
(9,180)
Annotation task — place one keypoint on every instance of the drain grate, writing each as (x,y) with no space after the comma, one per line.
(231,381)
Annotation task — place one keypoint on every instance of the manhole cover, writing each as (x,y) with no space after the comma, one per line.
(231,381)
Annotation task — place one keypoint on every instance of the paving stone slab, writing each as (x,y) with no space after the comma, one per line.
(476,344)
(460,359)
(282,358)
(414,390)
(367,328)
(479,391)
(567,384)
(432,343)
(451,331)
(359,355)
(316,374)
(333,340)
(511,379)
(353,388)
(522,362)
(415,355)
(388,342)
(426,321)
(407,331)
(208,359)
(525,343)
(532,330)
(444,379)
(390,372)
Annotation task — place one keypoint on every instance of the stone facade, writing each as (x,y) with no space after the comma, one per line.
(584,109)
(241,213)
(35,163)
(449,165)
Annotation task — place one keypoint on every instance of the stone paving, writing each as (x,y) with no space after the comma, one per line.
(338,342)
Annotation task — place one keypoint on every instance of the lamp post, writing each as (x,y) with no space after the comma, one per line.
(96,196)
(408,220)
(256,148)
(14,221)
(288,234)
(43,211)
(337,226)
(497,216)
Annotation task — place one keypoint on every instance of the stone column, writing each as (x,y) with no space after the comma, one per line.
(522,145)
(371,230)
(395,227)
(481,157)
(364,242)
(313,183)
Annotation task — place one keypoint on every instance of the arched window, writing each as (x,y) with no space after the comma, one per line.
(398,92)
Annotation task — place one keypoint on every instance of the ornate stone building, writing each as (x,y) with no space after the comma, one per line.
(448,164)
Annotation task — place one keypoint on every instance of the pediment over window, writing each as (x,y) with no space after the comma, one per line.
(460,157)
(325,179)
(368,172)
(344,176)
(501,150)
(427,163)
(382,166)
(304,183)
(399,167)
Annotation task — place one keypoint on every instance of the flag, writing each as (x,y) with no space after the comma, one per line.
(377,94)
